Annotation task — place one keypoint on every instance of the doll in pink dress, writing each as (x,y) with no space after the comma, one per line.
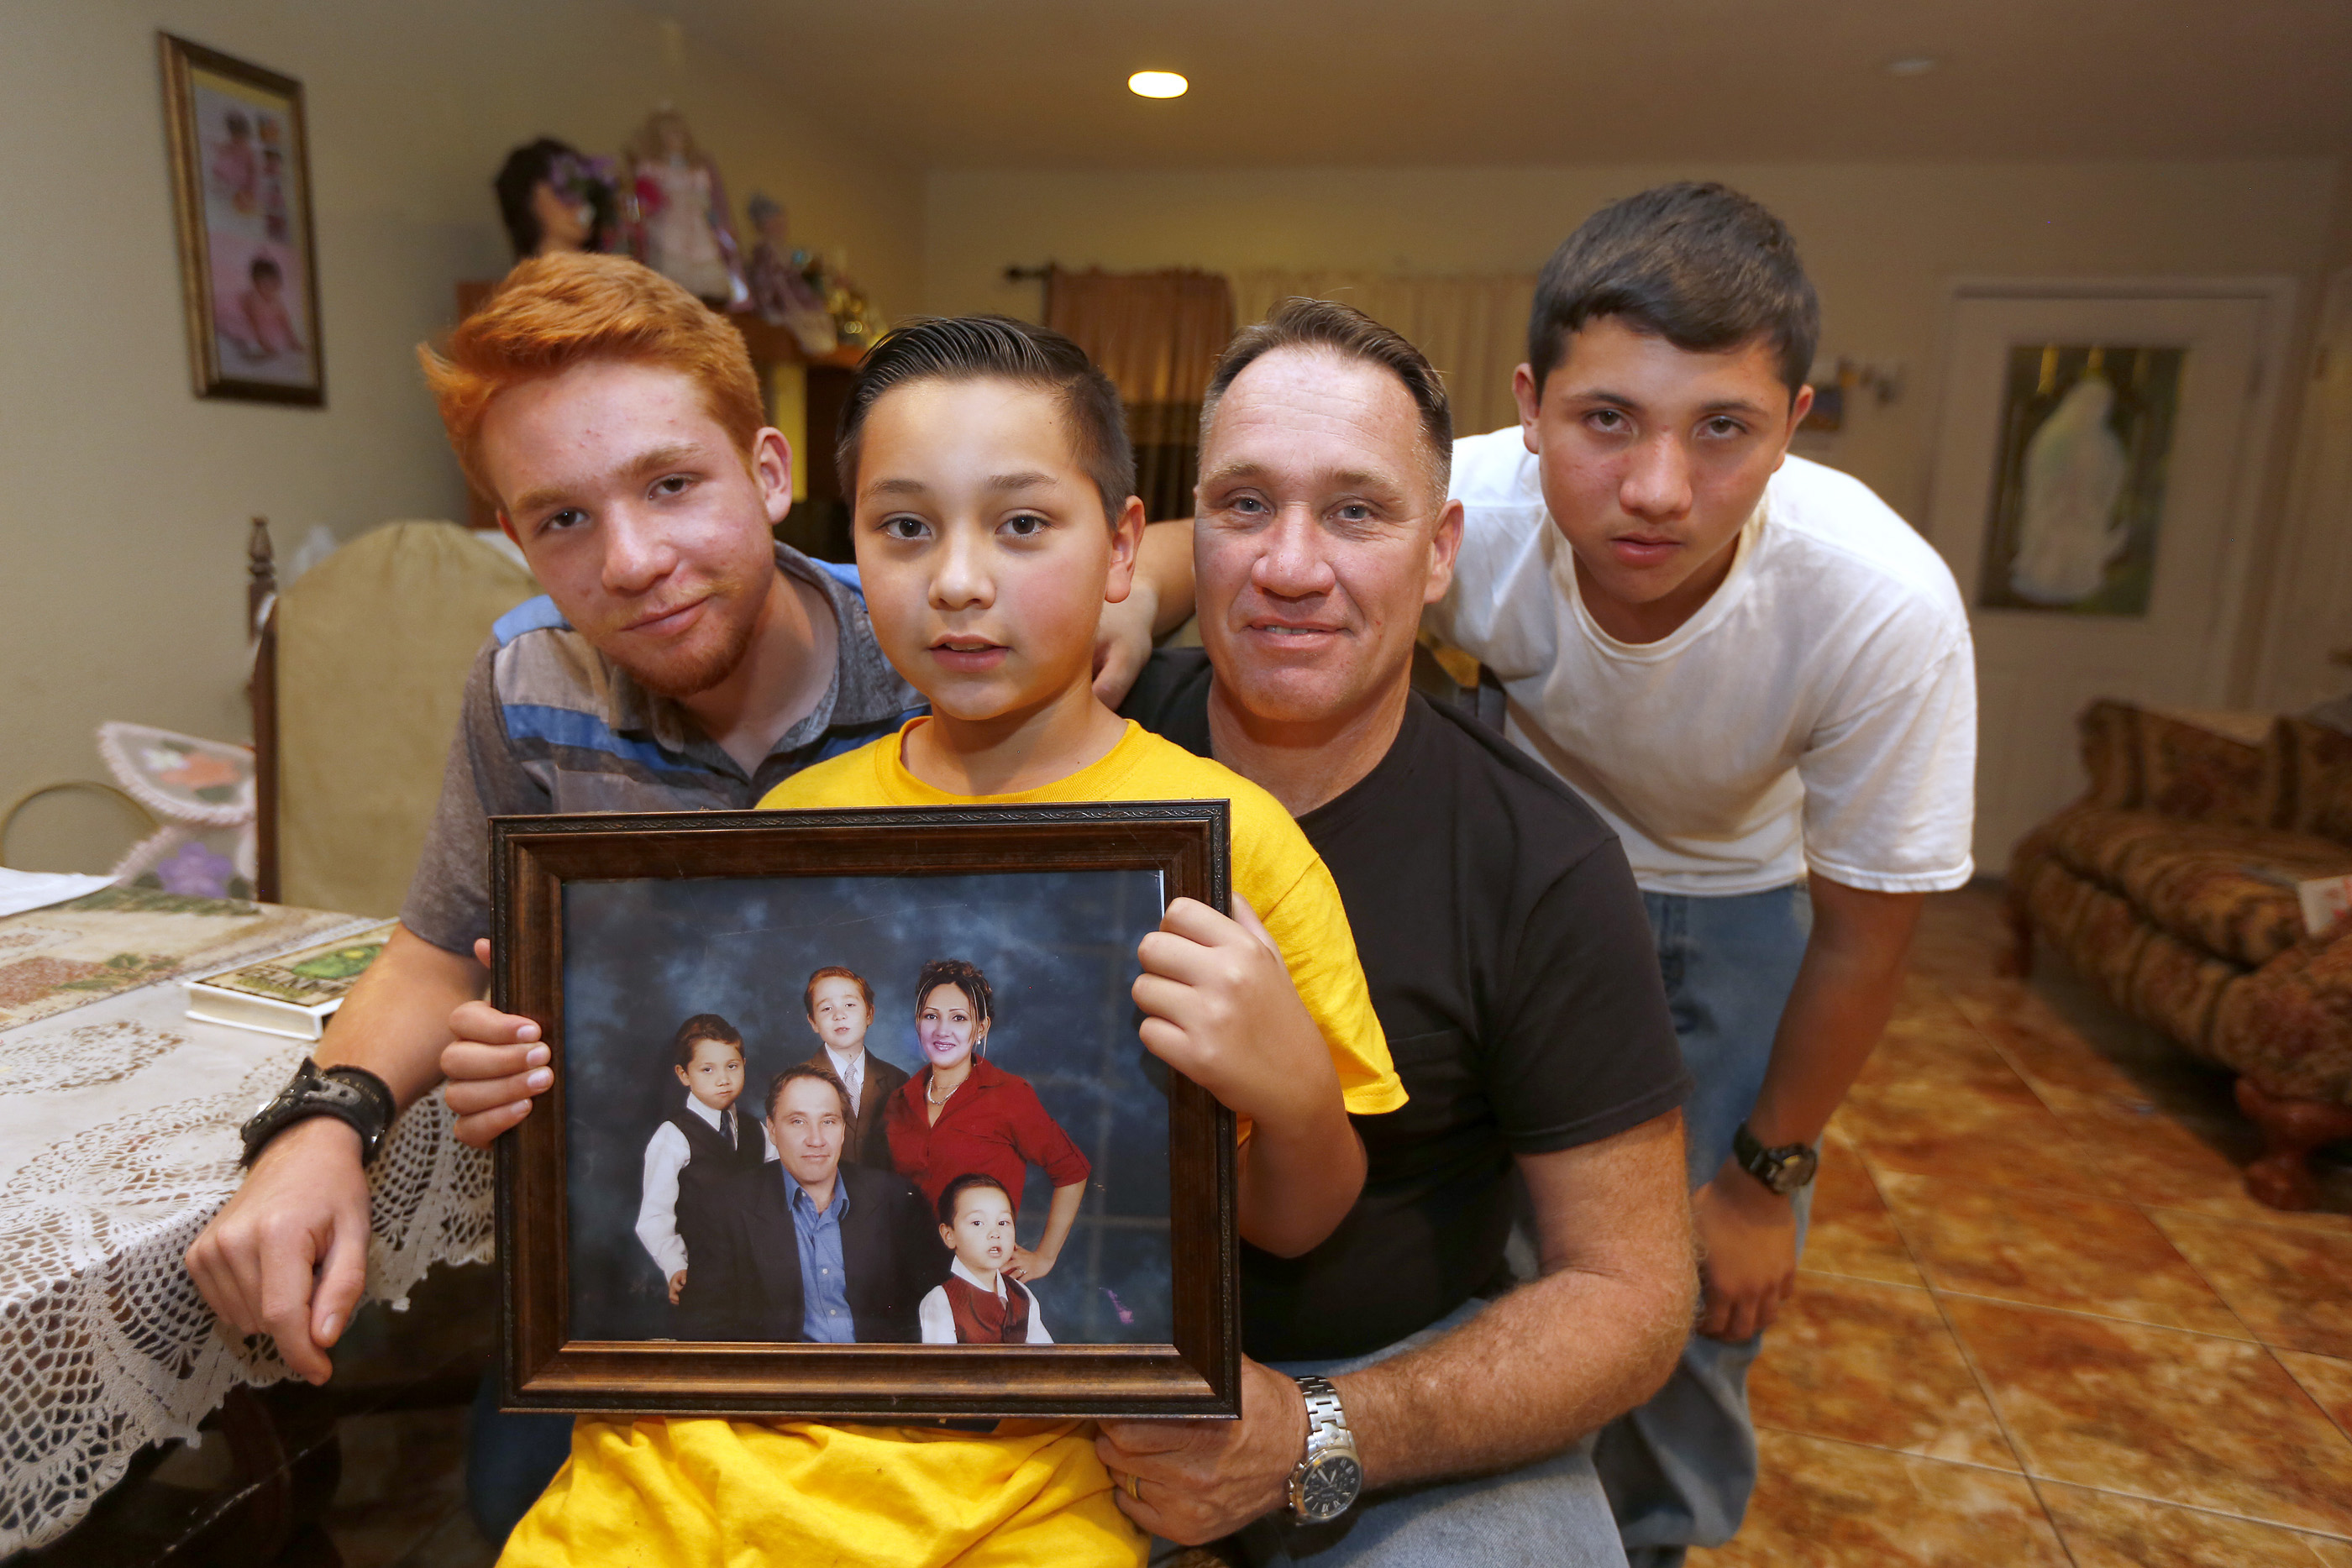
(683,229)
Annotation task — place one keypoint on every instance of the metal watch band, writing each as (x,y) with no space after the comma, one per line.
(1330,1476)
(1326,1422)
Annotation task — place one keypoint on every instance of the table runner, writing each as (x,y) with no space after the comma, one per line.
(118,1142)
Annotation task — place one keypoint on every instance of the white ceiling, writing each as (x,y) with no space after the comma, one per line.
(1042,83)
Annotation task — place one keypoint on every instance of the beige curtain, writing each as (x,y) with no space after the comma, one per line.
(1157,335)
(1473,329)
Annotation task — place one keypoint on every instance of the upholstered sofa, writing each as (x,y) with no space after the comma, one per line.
(2171,885)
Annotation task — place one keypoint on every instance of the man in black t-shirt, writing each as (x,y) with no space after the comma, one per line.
(1512,969)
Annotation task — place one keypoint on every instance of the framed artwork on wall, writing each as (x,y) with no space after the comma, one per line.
(850,1117)
(240,155)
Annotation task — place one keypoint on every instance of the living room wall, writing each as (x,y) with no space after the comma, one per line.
(126,505)
(1881,240)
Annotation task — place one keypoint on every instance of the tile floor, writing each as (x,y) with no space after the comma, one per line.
(2039,1320)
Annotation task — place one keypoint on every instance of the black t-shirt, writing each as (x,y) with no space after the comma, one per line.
(1514,972)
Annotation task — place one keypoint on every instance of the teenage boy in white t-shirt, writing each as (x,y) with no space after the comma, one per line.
(1762,678)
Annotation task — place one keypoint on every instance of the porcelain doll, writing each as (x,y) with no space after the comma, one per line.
(780,292)
(554,198)
(683,229)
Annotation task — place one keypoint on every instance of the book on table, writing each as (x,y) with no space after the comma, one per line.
(291,996)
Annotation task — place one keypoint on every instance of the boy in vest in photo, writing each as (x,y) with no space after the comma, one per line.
(1761,677)
(698,1145)
(993,481)
(980,1303)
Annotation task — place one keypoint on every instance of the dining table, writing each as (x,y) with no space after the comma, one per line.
(119,1117)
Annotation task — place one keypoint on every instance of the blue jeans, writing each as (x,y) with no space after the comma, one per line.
(1552,1512)
(509,1459)
(1679,1470)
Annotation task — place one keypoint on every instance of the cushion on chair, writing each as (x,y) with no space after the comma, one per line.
(2150,973)
(2226,889)
(374,644)
(2205,768)
(2319,769)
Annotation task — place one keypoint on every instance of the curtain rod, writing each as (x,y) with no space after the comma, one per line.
(1018,274)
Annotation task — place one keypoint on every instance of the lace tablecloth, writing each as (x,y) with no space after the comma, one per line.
(117,1141)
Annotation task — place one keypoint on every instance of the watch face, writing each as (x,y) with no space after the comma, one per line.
(1328,1488)
(1797,1170)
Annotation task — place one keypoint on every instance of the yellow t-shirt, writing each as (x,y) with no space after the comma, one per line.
(691,1492)
(1274,867)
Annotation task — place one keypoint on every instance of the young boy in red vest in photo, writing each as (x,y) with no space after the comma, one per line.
(980,1303)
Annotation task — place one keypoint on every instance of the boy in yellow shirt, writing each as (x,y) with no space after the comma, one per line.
(994,518)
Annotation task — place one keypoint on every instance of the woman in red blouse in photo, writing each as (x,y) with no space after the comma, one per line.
(962,1114)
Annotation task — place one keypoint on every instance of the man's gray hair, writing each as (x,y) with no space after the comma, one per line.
(1302,323)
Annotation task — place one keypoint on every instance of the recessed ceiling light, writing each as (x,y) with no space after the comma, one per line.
(1156,84)
(1913,66)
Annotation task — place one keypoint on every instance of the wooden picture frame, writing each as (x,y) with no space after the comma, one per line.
(543,867)
(240,155)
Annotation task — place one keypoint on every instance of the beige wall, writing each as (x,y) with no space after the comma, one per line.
(1880,240)
(125,506)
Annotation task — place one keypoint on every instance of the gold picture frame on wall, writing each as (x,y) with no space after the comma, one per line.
(240,156)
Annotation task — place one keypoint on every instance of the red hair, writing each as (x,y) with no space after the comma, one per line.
(554,312)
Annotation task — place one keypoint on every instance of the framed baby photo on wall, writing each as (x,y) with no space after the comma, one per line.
(248,265)
(851,1116)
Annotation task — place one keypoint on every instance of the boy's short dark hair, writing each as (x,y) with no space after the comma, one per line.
(702,1026)
(834,972)
(264,267)
(970,348)
(1697,264)
(1302,323)
(805,1070)
(965,1183)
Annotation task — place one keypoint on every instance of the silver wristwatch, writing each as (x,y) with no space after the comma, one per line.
(1326,1481)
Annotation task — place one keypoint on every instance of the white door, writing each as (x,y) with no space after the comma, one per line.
(2092,493)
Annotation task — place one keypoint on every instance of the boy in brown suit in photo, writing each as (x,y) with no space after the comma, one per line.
(840,1007)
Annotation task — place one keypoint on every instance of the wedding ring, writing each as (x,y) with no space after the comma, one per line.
(1135,1487)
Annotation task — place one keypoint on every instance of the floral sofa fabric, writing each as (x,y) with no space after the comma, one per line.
(2172,885)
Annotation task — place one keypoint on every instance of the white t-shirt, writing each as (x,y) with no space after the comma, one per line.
(1818,711)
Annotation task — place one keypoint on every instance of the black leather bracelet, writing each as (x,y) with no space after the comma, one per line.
(353,1095)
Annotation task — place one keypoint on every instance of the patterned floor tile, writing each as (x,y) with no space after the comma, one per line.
(2293,1288)
(1851,1232)
(1874,1364)
(1833,1505)
(2037,1043)
(2327,1379)
(2104,1530)
(1997,1138)
(2156,1412)
(2053,1249)
(2177,1161)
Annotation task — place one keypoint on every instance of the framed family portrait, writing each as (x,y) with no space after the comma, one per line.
(248,265)
(851,1118)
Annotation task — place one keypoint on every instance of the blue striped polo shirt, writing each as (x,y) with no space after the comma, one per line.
(551,724)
